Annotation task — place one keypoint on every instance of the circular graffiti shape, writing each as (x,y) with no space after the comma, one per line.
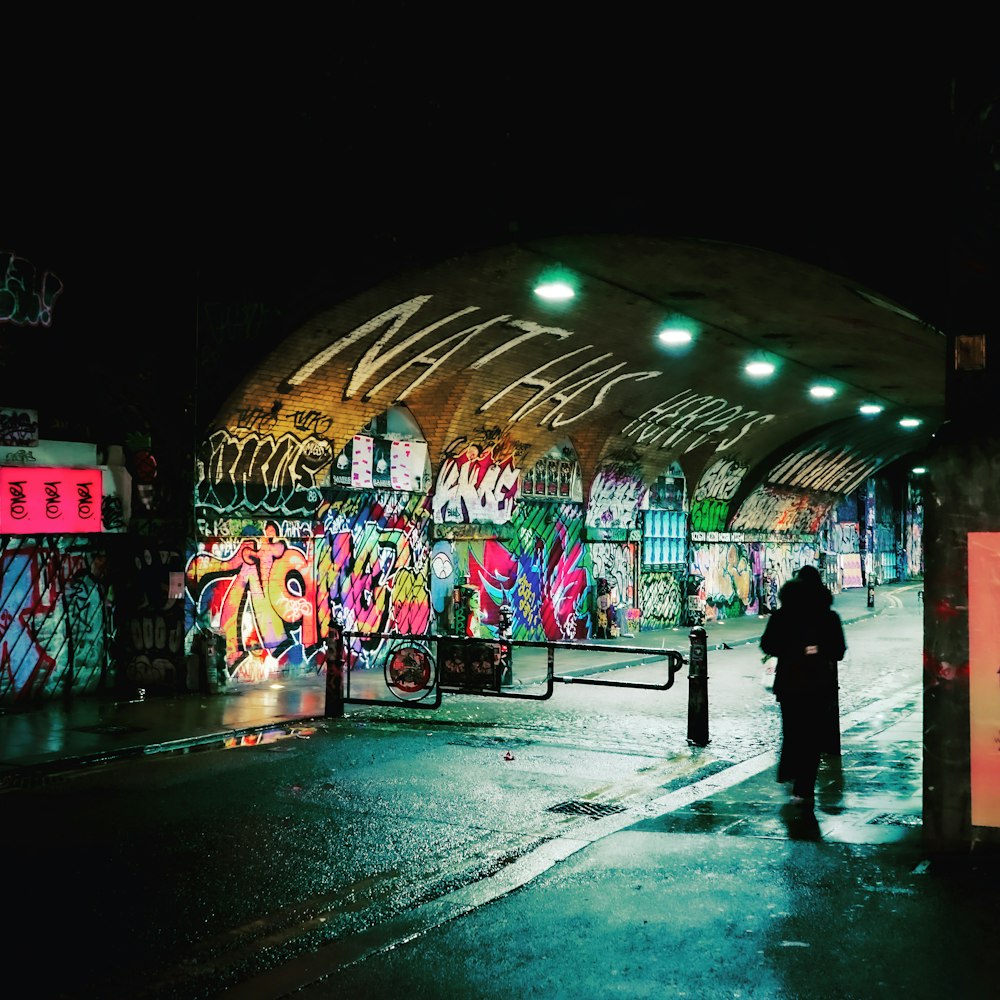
(409,671)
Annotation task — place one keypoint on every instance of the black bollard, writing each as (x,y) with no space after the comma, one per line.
(698,688)
(871,594)
(335,670)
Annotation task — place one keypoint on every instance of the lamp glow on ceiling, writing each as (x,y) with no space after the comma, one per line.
(555,291)
(822,392)
(759,369)
(909,422)
(918,470)
(870,409)
(674,336)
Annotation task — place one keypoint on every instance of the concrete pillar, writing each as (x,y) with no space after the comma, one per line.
(964,475)
(963,472)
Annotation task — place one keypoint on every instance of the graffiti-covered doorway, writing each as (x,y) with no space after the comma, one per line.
(56,627)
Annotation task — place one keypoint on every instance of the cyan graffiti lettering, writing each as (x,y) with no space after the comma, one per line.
(27,296)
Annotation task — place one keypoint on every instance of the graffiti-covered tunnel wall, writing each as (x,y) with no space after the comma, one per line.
(388,560)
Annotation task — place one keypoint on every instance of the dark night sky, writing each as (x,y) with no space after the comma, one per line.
(268,165)
(295,173)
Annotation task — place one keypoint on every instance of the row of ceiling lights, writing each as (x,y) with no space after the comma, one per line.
(677,335)
(760,368)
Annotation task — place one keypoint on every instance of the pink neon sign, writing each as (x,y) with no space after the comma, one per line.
(49,501)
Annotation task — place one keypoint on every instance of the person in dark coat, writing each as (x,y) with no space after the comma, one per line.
(807,637)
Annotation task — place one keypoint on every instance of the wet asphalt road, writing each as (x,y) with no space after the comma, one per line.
(179,877)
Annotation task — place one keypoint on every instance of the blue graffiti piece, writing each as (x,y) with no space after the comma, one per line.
(442,575)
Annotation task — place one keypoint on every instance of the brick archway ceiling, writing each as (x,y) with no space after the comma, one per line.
(466,344)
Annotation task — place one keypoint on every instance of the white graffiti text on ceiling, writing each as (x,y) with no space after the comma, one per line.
(567,386)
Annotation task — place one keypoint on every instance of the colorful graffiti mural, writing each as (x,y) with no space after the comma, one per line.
(259,473)
(373,564)
(771,509)
(726,569)
(711,498)
(542,573)
(615,498)
(56,630)
(478,479)
(661,600)
(260,595)
(745,578)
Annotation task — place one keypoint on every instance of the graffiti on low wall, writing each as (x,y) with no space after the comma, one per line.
(542,573)
(261,474)
(55,627)
(478,479)
(260,595)
(661,600)
(373,564)
(772,509)
(727,570)
(614,562)
(711,498)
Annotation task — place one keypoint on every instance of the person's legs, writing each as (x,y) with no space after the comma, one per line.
(791,741)
(808,744)
(804,786)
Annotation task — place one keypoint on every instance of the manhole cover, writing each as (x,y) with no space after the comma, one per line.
(578,808)
(109,729)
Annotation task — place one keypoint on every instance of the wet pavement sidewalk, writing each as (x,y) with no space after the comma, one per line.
(91,729)
(725,889)
(719,887)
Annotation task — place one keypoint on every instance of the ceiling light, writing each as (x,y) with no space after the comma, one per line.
(823,392)
(918,470)
(674,335)
(910,422)
(759,369)
(555,291)
(870,409)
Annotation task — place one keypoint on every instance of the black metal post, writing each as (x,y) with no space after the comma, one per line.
(506,658)
(871,593)
(698,688)
(335,662)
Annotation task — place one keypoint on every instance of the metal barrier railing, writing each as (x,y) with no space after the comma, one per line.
(416,670)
